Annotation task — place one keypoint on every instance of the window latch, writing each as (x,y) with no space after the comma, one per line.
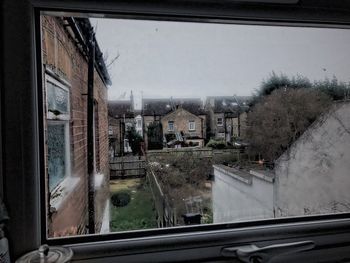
(255,254)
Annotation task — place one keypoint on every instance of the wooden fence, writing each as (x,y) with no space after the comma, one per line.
(127,167)
(166,215)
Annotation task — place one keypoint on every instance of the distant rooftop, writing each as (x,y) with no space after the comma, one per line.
(162,107)
(228,104)
(120,108)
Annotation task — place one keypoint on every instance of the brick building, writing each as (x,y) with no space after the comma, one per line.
(226,116)
(121,116)
(153,110)
(188,125)
(65,69)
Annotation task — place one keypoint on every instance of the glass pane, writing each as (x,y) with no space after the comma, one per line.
(197,123)
(56,153)
(57,99)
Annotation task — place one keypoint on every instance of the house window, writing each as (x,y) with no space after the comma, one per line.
(170,126)
(191,126)
(220,121)
(58,152)
(57,100)
(58,139)
(138,124)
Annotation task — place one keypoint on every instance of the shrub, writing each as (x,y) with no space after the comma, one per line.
(216,144)
(120,199)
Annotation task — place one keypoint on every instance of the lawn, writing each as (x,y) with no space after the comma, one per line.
(139,213)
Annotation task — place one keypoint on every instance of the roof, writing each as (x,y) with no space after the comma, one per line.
(162,107)
(81,27)
(228,104)
(180,108)
(117,109)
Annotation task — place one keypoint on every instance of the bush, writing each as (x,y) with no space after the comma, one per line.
(120,199)
(216,144)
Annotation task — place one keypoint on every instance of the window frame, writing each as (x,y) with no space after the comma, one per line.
(68,172)
(61,84)
(139,123)
(64,119)
(189,125)
(22,140)
(220,123)
(172,128)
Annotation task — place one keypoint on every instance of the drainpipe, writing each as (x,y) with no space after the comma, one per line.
(90,133)
(224,123)
(239,117)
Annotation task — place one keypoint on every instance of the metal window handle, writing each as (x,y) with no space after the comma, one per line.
(255,254)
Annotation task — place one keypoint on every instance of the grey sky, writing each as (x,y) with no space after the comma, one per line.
(163,59)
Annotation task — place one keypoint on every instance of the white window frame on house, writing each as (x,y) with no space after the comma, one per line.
(67,151)
(60,119)
(191,125)
(22,141)
(59,85)
(220,121)
(110,130)
(171,126)
(67,183)
(139,123)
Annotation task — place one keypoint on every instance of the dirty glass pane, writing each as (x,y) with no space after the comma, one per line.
(57,99)
(56,153)
(197,123)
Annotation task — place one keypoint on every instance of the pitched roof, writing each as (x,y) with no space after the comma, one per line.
(228,104)
(164,106)
(117,108)
(172,113)
(84,25)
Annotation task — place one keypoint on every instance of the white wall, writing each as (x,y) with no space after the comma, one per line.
(314,176)
(240,196)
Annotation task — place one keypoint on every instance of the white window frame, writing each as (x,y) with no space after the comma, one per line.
(220,123)
(22,167)
(62,86)
(110,130)
(171,127)
(68,183)
(59,120)
(191,125)
(67,149)
(139,123)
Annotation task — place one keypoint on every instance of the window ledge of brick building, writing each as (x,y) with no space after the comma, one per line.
(62,191)
(99,179)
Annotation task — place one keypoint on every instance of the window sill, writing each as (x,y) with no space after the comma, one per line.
(207,245)
(62,191)
(99,179)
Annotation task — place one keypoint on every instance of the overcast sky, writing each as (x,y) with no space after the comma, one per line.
(163,59)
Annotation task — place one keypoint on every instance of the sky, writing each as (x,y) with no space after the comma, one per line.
(159,59)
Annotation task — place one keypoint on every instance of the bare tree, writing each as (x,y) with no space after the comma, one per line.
(280,118)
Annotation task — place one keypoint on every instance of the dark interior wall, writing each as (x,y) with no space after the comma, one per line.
(1,88)
(20,127)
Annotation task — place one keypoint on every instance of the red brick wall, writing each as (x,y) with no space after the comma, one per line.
(64,58)
(102,148)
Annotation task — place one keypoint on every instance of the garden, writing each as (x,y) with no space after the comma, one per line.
(132,205)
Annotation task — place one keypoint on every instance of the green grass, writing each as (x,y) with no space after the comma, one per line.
(139,213)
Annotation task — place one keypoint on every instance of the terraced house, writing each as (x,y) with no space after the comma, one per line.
(121,116)
(226,116)
(181,120)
